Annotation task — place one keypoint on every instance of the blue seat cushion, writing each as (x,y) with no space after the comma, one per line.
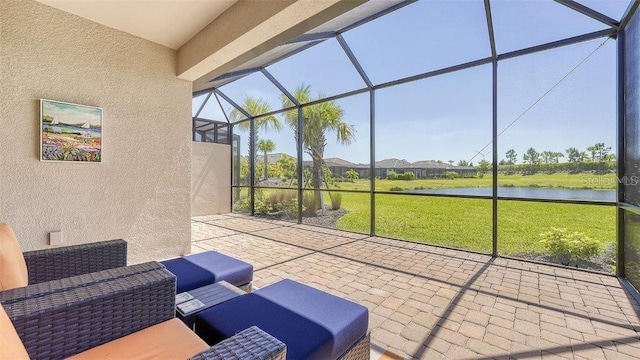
(197,270)
(312,323)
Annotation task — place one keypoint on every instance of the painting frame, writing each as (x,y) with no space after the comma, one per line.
(70,133)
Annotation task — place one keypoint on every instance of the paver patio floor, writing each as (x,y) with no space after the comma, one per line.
(427,302)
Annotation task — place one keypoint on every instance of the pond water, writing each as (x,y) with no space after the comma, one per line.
(527,192)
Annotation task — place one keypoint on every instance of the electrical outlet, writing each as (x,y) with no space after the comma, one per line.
(55,238)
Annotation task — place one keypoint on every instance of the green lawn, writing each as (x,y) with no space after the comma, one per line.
(467,223)
(559,180)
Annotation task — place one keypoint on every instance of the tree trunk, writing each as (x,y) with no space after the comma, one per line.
(254,155)
(316,178)
(266,167)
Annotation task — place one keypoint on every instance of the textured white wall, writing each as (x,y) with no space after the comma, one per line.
(141,191)
(210,179)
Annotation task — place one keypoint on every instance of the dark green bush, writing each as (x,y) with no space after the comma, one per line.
(451,175)
(401,176)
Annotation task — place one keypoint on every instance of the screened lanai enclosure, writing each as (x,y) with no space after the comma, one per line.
(503,127)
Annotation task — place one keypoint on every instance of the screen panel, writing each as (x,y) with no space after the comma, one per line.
(240,199)
(420,37)
(557,123)
(632,149)
(582,236)
(276,152)
(632,248)
(240,151)
(451,222)
(340,210)
(434,135)
(632,111)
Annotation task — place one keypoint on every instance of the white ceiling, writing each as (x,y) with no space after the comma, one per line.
(167,22)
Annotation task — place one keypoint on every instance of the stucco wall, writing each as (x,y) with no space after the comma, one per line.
(210,179)
(141,191)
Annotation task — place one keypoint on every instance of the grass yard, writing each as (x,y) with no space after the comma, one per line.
(467,223)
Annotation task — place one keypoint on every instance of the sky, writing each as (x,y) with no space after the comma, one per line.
(72,114)
(449,117)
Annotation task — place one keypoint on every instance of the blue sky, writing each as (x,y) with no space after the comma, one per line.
(449,117)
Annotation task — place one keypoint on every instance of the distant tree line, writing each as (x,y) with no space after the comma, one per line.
(596,158)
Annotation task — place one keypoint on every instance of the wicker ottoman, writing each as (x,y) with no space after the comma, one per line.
(198,270)
(312,323)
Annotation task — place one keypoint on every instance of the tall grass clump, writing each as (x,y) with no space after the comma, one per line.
(336,201)
(309,204)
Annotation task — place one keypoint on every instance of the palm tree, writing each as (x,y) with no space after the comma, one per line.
(593,150)
(255,107)
(318,121)
(287,166)
(266,146)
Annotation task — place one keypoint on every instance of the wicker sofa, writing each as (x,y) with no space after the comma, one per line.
(18,269)
(82,302)
(109,313)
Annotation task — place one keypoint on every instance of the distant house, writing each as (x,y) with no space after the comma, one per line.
(386,166)
(271,158)
(432,169)
(424,169)
(339,167)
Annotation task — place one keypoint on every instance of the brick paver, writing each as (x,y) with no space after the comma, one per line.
(427,302)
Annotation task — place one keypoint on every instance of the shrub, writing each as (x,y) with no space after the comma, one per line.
(276,201)
(568,247)
(244,204)
(282,200)
(336,201)
(395,188)
(309,204)
(351,175)
(401,176)
(260,206)
(610,255)
(450,175)
(407,176)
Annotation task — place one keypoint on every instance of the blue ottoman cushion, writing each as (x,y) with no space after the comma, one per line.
(197,270)
(312,323)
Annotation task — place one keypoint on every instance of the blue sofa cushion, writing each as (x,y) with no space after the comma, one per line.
(197,270)
(312,323)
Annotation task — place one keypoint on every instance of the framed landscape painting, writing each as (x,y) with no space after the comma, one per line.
(70,132)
